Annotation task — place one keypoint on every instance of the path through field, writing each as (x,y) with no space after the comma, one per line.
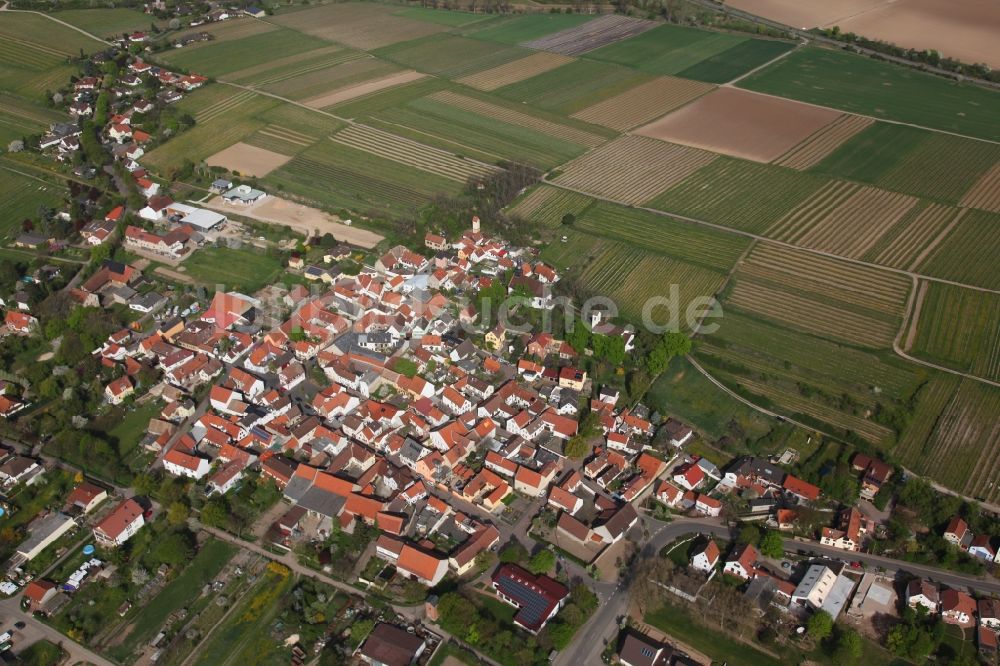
(6,8)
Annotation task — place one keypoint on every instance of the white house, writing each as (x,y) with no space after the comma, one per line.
(706,557)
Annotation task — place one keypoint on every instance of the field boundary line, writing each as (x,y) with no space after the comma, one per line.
(759,237)
(920,290)
(875,118)
(731,84)
(929,250)
(910,318)
(6,8)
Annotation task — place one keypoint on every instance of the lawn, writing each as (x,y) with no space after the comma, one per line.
(127,434)
(453,651)
(677,621)
(20,117)
(41,653)
(870,87)
(20,198)
(106,22)
(179,593)
(517,29)
(45,35)
(686,394)
(240,270)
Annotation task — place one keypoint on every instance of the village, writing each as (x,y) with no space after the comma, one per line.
(435,444)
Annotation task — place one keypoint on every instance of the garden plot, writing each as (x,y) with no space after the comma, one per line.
(741,124)
(512,72)
(591,35)
(643,103)
(812,151)
(632,169)
(248,160)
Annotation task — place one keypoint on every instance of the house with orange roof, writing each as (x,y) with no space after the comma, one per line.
(800,489)
(180,461)
(19,322)
(118,390)
(741,562)
(705,557)
(420,565)
(120,525)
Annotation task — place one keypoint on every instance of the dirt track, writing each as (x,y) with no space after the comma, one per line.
(303,219)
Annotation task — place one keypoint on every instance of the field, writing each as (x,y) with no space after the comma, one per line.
(621,271)
(959,328)
(738,194)
(916,234)
(843,218)
(741,124)
(546,206)
(411,153)
(340,176)
(106,22)
(632,169)
(450,56)
(19,118)
(20,197)
(820,144)
(954,436)
(247,160)
(367,87)
(591,35)
(242,270)
(714,57)
(358,25)
(223,57)
(820,295)
(861,85)
(643,103)
(34,52)
(968,253)
(914,161)
(517,29)
(662,234)
(985,194)
(517,70)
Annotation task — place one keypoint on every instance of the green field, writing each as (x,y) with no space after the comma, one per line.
(341,176)
(221,58)
(34,53)
(441,16)
(913,161)
(960,328)
(38,32)
(20,118)
(546,205)
(574,86)
(517,29)
(20,197)
(866,86)
(106,22)
(241,270)
(449,55)
(738,194)
(693,53)
(968,254)
(179,593)
(693,244)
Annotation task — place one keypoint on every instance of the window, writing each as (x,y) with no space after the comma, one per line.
(646,652)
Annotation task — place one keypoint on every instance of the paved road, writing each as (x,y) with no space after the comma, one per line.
(10,612)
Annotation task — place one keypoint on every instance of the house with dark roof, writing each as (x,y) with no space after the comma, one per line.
(537,598)
(639,650)
(388,645)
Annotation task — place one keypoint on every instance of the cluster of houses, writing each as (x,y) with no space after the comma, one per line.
(958,608)
(327,406)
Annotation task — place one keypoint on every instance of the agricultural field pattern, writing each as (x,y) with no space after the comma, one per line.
(844,211)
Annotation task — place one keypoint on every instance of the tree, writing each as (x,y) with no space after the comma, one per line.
(568,219)
(215,513)
(178,513)
(849,646)
(819,625)
(771,545)
(749,534)
(542,562)
(577,448)
(514,553)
